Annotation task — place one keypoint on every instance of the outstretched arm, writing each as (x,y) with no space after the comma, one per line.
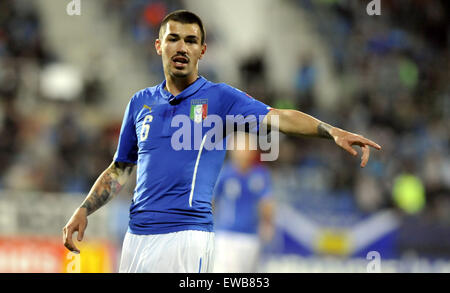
(104,189)
(296,123)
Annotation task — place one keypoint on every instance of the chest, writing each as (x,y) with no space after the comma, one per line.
(185,123)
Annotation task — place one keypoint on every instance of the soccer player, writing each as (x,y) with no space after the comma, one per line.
(243,210)
(171,222)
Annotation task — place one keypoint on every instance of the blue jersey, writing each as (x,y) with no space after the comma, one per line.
(237,197)
(174,186)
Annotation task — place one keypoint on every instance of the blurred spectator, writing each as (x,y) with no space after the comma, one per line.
(243,210)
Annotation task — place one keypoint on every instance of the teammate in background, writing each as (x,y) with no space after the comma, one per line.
(171,221)
(243,209)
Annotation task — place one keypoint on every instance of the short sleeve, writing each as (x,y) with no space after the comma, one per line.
(240,104)
(127,149)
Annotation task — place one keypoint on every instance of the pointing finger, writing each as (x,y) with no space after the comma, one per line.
(371,143)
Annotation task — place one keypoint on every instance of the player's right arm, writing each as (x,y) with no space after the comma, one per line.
(108,185)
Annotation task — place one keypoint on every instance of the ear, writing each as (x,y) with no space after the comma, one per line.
(203,50)
(158,47)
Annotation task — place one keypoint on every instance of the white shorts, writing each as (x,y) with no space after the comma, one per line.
(236,252)
(187,251)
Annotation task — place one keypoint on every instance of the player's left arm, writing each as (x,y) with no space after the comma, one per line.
(266,209)
(296,123)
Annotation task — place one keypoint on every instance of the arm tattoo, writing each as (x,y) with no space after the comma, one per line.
(107,186)
(323,130)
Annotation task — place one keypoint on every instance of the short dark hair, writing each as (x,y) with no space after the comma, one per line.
(184,16)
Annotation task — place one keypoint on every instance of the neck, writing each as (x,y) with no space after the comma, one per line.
(175,85)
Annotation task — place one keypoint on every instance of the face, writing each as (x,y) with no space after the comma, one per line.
(180,48)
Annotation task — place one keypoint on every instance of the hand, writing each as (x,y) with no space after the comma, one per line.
(78,222)
(346,140)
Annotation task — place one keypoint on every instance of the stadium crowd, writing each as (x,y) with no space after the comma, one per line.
(393,71)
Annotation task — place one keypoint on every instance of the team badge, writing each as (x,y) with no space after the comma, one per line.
(199,110)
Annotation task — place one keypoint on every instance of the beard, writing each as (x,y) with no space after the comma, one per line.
(178,73)
(175,72)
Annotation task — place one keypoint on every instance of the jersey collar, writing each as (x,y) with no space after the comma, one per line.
(186,93)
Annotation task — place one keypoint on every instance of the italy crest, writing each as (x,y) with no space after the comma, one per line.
(199,110)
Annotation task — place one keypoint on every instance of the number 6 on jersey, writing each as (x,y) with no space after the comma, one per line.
(146,127)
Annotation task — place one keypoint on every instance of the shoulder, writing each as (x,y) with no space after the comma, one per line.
(139,99)
(143,97)
(222,88)
(229,89)
(145,94)
(226,91)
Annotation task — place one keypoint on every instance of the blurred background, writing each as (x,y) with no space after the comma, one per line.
(65,81)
